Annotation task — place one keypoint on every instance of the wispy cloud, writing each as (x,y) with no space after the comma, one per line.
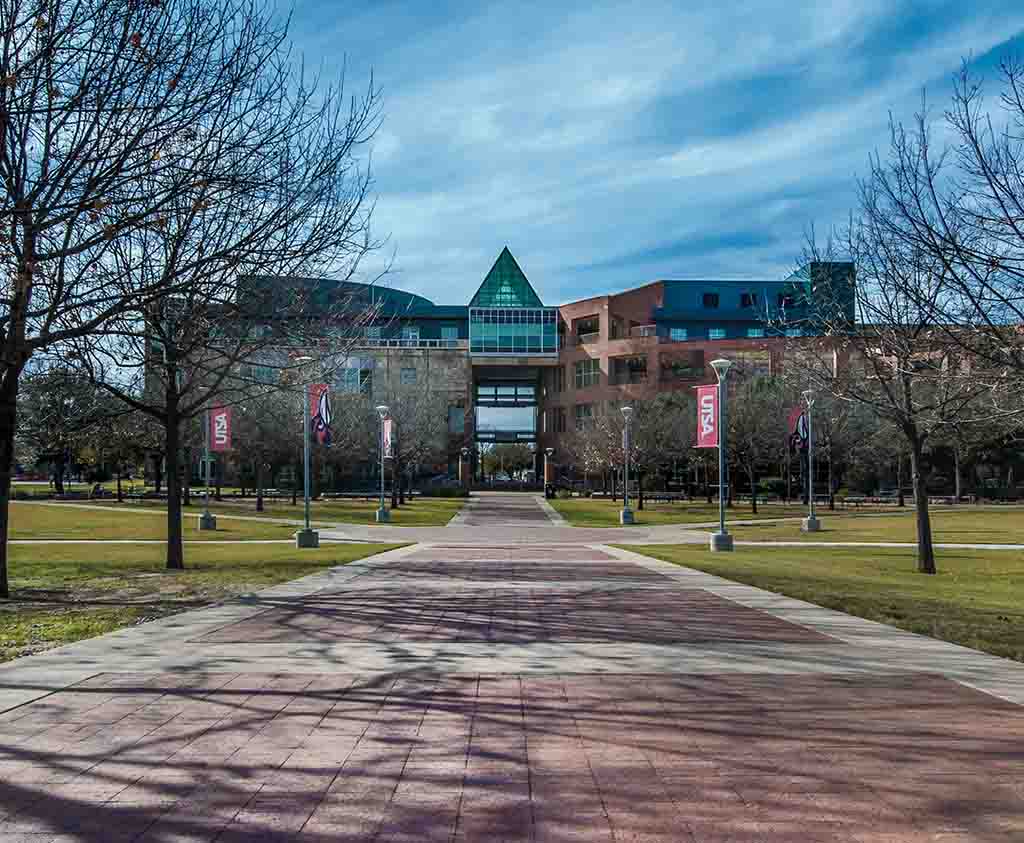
(630,141)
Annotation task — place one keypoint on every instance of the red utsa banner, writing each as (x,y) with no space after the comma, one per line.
(220,429)
(707,416)
(320,412)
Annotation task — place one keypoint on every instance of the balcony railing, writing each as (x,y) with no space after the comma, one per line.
(584,339)
(368,342)
(643,331)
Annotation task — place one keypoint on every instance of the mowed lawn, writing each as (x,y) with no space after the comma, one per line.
(955,525)
(601,512)
(976,599)
(424,512)
(61,593)
(71,521)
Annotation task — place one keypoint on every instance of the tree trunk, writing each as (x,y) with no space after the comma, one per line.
(615,485)
(925,551)
(831,484)
(58,475)
(120,493)
(218,478)
(639,490)
(175,547)
(752,476)
(259,483)
(707,482)
(899,481)
(956,474)
(158,469)
(8,417)
(186,477)
(295,482)
(394,483)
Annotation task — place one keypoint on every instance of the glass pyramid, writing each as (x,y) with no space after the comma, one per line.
(505,286)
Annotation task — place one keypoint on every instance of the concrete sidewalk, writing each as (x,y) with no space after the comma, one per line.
(511,691)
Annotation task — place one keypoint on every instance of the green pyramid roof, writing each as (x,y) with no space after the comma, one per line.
(506,286)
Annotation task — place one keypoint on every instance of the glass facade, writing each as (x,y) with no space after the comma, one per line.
(527,330)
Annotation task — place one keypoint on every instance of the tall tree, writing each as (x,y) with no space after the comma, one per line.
(277,201)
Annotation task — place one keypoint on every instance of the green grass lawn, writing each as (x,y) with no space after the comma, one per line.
(976,599)
(956,525)
(600,512)
(62,593)
(69,521)
(425,512)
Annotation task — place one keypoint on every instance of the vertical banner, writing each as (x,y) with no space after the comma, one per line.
(320,412)
(707,416)
(798,429)
(220,429)
(389,439)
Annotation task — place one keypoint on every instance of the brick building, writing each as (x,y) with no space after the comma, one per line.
(516,370)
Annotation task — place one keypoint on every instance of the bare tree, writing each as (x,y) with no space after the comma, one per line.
(757,424)
(890,357)
(276,200)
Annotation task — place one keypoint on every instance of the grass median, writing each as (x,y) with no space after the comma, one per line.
(976,599)
(602,512)
(955,525)
(62,593)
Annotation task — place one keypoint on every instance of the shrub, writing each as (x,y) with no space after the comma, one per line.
(563,494)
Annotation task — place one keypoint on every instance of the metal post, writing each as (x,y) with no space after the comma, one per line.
(206,521)
(810,524)
(721,540)
(383,515)
(722,481)
(307,537)
(305,450)
(626,515)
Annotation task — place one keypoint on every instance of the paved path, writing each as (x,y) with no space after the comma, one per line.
(512,691)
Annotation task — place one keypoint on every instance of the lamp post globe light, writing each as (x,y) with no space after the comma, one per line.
(464,467)
(307,536)
(549,486)
(810,524)
(626,516)
(383,514)
(721,541)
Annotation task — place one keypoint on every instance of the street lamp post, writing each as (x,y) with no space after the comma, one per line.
(626,516)
(307,536)
(810,524)
(721,541)
(207,521)
(549,486)
(383,515)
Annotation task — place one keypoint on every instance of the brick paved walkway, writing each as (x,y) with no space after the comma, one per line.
(496,693)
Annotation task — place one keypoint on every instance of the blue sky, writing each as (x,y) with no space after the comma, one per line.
(610,144)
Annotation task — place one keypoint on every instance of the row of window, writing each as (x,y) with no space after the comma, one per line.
(410,332)
(783,300)
(683,334)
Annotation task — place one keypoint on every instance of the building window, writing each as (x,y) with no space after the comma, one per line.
(711,300)
(373,332)
(588,372)
(450,334)
(755,333)
(558,380)
(794,332)
(411,333)
(625,370)
(354,381)
(456,419)
(587,329)
(560,420)
(584,416)
(677,334)
(716,333)
(408,376)
(523,331)
(748,299)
